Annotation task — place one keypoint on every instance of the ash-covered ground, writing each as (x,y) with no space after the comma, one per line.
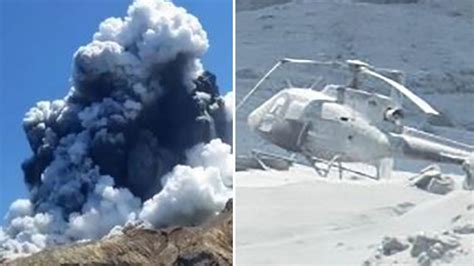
(142,137)
(295,217)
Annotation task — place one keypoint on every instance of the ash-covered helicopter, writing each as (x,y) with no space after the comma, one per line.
(346,123)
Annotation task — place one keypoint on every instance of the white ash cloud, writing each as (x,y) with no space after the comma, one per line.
(193,192)
(142,136)
(229,105)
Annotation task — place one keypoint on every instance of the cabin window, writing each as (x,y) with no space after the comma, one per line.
(343,118)
(295,110)
(278,106)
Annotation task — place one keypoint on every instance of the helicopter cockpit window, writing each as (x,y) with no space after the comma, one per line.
(343,118)
(278,106)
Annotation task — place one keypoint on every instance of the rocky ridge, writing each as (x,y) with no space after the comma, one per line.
(208,244)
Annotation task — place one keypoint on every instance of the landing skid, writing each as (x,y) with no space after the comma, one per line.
(266,160)
(323,172)
(336,162)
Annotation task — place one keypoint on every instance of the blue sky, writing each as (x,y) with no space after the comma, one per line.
(37,41)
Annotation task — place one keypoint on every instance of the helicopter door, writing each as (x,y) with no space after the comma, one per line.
(295,120)
(334,130)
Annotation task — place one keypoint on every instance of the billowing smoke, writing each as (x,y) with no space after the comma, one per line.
(142,136)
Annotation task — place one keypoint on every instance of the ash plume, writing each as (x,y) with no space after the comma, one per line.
(142,136)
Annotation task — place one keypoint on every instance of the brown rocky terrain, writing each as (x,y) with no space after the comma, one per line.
(208,244)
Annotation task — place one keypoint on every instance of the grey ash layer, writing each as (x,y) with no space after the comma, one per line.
(132,151)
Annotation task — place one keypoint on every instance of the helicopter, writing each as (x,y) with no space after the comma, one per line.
(347,123)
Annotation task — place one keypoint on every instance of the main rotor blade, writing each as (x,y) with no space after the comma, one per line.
(281,62)
(312,62)
(422,104)
(252,91)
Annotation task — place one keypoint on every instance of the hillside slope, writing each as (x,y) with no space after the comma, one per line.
(209,244)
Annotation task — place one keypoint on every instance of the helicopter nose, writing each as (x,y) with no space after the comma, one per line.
(253,120)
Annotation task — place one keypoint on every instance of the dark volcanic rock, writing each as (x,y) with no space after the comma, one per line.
(208,244)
